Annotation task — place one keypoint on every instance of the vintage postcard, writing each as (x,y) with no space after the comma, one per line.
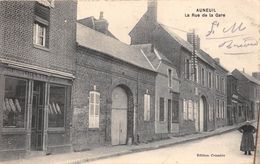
(130,81)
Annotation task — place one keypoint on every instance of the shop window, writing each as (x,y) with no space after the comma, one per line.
(94,109)
(147,106)
(161,113)
(57,105)
(14,103)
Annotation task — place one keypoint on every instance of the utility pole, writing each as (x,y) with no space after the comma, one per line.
(194,56)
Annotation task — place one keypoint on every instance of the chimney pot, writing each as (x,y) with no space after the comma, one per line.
(217,60)
(101,15)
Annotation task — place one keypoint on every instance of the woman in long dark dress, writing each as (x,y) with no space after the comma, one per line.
(247,142)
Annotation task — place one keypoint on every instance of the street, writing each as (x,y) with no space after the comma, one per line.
(219,149)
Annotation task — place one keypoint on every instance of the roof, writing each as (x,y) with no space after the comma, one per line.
(250,78)
(91,23)
(88,38)
(200,53)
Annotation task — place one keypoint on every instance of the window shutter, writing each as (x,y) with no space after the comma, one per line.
(94,109)
(148,107)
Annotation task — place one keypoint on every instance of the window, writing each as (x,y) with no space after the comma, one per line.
(41,25)
(147,106)
(184,110)
(217,82)
(217,109)
(170,78)
(196,108)
(57,105)
(211,113)
(175,111)
(202,76)
(39,34)
(94,109)
(161,113)
(210,80)
(14,104)
(190,110)
(239,110)
(223,109)
(187,69)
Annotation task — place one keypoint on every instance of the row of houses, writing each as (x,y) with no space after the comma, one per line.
(68,84)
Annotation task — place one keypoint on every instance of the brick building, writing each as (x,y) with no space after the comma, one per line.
(249,87)
(37,62)
(166,92)
(237,105)
(115,92)
(202,98)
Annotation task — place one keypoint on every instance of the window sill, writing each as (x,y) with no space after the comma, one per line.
(41,47)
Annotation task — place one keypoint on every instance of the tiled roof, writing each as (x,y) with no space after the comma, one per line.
(200,53)
(250,78)
(86,37)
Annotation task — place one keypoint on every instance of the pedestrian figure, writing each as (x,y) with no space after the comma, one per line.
(247,142)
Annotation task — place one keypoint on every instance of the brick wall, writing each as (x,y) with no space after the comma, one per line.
(17,34)
(106,73)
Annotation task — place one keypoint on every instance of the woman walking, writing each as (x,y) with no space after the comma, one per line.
(247,142)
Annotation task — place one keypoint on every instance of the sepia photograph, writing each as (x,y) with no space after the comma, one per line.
(129,82)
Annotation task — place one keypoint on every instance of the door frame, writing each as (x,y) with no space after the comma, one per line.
(46,90)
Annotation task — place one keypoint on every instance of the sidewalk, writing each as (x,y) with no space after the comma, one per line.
(111,151)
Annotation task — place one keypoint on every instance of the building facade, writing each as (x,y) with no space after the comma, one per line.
(115,92)
(37,47)
(203,97)
(237,106)
(248,86)
(166,92)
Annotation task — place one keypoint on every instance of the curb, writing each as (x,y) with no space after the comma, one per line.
(136,150)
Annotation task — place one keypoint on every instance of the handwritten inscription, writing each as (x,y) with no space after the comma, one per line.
(233,39)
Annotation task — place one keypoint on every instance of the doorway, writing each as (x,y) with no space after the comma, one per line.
(202,114)
(37,116)
(119,116)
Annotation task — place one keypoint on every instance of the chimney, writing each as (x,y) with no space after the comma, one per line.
(101,24)
(190,40)
(217,60)
(101,15)
(256,75)
(243,70)
(152,10)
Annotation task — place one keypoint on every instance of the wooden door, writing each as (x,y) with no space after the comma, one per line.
(119,117)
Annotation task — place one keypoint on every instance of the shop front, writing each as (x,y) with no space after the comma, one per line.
(35,115)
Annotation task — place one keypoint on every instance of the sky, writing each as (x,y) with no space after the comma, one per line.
(242,53)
